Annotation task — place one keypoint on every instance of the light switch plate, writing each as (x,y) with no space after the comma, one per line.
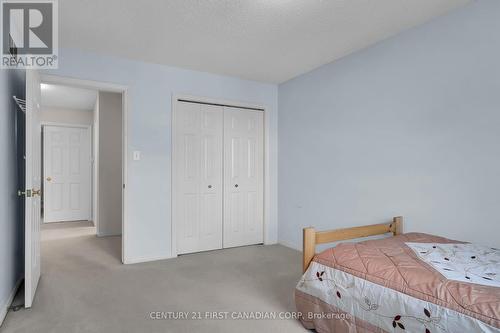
(137,155)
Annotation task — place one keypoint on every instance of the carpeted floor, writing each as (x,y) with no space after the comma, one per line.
(85,288)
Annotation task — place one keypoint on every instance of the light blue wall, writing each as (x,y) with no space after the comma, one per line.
(149,130)
(11,228)
(410,126)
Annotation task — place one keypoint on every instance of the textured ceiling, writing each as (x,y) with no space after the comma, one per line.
(263,40)
(65,97)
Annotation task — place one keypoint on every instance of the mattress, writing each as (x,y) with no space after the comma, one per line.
(382,286)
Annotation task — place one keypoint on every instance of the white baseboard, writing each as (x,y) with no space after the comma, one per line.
(103,234)
(5,306)
(138,260)
(289,245)
(65,221)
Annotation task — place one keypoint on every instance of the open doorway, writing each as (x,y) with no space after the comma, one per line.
(67,153)
(82,163)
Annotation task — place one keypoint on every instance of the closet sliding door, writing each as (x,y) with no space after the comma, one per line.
(218,177)
(243,177)
(198,177)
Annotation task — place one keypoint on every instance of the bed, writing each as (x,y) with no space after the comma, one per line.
(411,282)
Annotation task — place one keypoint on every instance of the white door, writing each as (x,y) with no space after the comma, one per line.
(197,176)
(243,177)
(67,173)
(33,182)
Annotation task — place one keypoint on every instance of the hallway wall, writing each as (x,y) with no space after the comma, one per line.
(110,164)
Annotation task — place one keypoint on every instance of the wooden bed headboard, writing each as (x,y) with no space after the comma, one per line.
(313,237)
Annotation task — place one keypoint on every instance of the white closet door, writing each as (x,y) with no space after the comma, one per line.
(243,177)
(197,202)
(67,173)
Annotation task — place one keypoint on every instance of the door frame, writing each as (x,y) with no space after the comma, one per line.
(93,190)
(124,91)
(267,166)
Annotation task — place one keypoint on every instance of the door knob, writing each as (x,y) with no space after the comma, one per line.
(209,186)
(49,179)
(235,185)
(36,192)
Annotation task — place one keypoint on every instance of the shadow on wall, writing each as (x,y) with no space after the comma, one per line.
(110,164)
(12,83)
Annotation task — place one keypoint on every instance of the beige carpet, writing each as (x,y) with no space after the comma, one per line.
(85,288)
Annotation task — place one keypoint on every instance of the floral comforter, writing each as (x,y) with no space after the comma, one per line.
(383,286)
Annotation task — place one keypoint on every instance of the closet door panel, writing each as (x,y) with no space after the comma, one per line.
(197,181)
(243,177)
(211,175)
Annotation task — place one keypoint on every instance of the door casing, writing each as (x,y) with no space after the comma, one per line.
(123,90)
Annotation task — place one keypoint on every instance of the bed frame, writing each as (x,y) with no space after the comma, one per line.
(313,237)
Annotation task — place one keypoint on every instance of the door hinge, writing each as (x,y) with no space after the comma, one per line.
(26,193)
(123,185)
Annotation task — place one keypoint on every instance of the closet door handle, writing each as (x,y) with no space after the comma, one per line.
(209,186)
(235,185)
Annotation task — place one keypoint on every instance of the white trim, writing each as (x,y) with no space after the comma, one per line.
(95,164)
(72,221)
(173,227)
(125,106)
(267,166)
(54,123)
(105,234)
(138,260)
(5,306)
(110,87)
(69,81)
